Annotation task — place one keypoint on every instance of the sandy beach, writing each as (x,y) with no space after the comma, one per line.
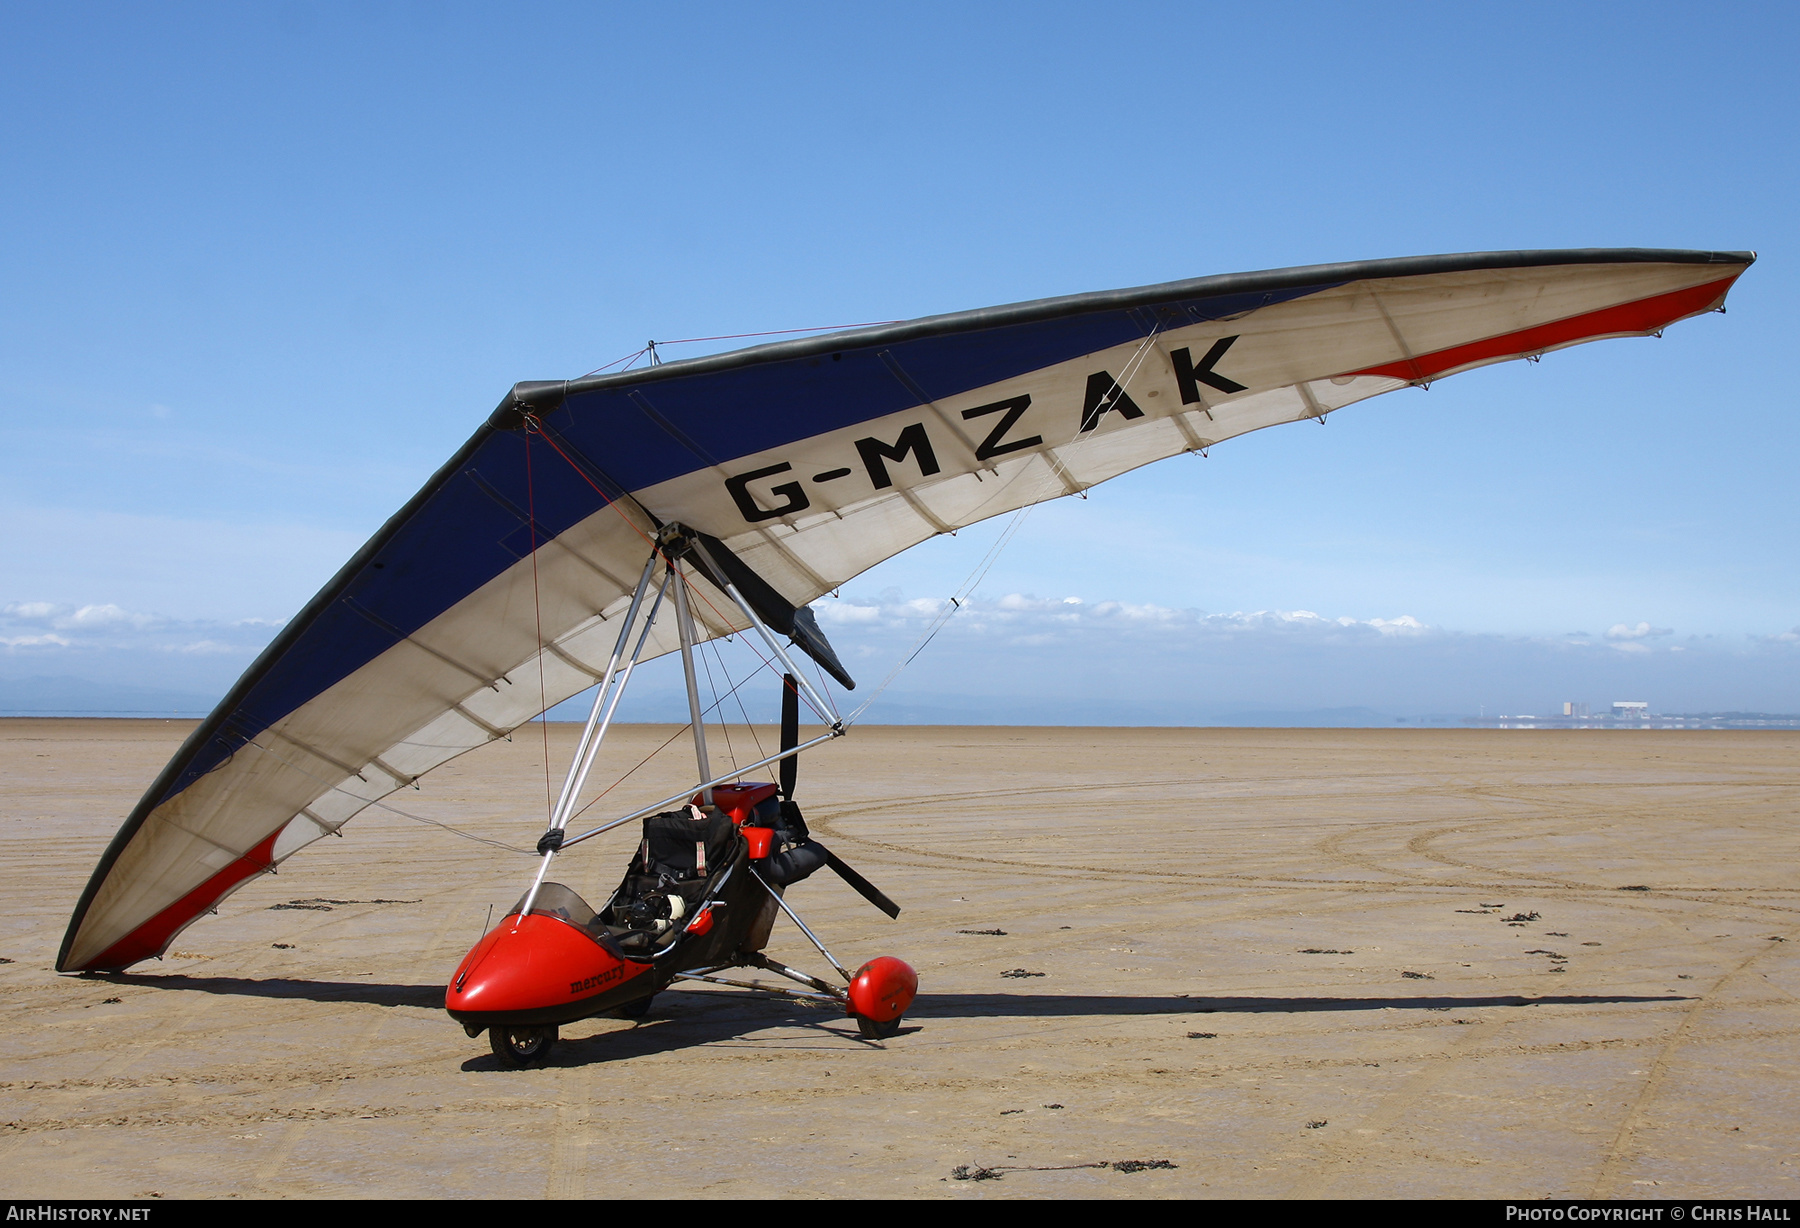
(1232,963)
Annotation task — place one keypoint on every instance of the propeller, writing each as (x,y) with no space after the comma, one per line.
(790,733)
(862,886)
(790,738)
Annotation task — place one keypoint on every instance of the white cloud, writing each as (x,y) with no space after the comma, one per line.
(108,615)
(1619,631)
(34,641)
(844,613)
(109,627)
(1025,619)
(28,609)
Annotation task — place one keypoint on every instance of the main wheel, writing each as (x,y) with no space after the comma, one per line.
(518,1048)
(872,1029)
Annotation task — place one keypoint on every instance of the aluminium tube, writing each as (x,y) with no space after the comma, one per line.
(819,705)
(550,854)
(570,783)
(654,807)
(684,619)
(593,748)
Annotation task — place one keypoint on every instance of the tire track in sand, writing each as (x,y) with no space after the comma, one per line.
(1618,1154)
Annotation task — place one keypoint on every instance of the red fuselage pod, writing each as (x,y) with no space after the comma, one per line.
(882,989)
(740,800)
(540,970)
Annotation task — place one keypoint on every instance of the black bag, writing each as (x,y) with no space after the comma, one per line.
(682,847)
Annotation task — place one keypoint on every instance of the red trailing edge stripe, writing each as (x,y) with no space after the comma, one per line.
(1646,315)
(155,934)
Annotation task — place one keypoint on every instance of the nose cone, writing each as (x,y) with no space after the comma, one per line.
(532,966)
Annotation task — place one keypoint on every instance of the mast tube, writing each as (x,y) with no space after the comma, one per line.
(654,807)
(813,697)
(613,706)
(685,621)
(571,783)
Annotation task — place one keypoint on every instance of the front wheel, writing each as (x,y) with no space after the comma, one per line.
(518,1048)
(872,1029)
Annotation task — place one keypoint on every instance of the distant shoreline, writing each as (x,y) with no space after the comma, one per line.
(1771,724)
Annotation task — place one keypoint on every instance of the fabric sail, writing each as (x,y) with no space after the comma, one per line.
(812,460)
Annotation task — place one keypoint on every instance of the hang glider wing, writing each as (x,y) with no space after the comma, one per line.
(807,462)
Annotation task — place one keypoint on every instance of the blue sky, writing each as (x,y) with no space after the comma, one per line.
(267,266)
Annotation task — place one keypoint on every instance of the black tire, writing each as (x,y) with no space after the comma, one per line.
(871,1030)
(636,1009)
(518,1048)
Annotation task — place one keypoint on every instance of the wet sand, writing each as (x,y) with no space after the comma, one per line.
(1279,960)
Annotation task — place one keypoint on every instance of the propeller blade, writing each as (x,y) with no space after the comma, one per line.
(719,565)
(862,886)
(790,733)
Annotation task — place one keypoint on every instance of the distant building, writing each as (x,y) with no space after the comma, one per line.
(1575,709)
(1635,709)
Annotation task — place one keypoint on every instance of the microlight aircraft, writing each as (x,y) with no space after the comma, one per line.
(738,488)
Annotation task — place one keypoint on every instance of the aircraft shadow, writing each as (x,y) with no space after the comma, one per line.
(1006,1005)
(682,1019)
(363,992)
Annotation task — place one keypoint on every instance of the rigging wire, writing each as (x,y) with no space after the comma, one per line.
(634,767)
(948,610)
(537,609)
(419,818)
(754,650)
(825,691)
(748,724)
(532,428)
(627,360)
(1060,468)
(333,787)
(531,422)
(724,726)
(659,750)
(773,332)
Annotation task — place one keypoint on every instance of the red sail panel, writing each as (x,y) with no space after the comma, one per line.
(1643,316)
(153,935)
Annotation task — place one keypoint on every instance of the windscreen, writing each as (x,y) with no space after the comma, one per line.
(556,900)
